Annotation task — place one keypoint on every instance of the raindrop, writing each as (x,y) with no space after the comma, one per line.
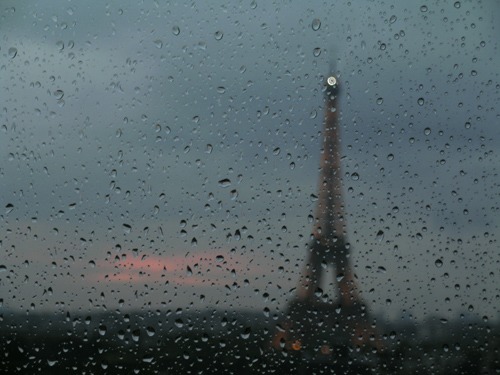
(380,235)
(135,335)
(158,43)
(457,4)
(316,24)
(420,101)
(102,329)
(253,4)
(219,258)
(317,52)
(380,101)
(51,362)
(423,8)
(225,182)
(392,19)
(221,89)
(234,194)
(9,207)
(390,157)
(176,30)
(438,263)
(218,35)
(59,94)
(355,176)
(246,333)
(467,125)
(12,52)
(427,131)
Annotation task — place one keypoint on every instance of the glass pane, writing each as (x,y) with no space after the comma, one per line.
(250,187)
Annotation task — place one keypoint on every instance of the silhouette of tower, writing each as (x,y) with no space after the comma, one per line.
(320,328)
(329,245)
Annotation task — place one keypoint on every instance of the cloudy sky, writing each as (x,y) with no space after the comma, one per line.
(164,155)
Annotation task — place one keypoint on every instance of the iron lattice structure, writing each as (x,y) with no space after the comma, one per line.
(325,329)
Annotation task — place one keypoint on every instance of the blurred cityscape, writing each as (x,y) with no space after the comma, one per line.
(216,341)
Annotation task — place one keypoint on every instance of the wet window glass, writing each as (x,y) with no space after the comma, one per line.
(249,187)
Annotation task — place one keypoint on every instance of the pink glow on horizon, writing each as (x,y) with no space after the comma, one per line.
(212,267)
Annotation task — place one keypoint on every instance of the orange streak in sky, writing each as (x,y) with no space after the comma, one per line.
(201,269)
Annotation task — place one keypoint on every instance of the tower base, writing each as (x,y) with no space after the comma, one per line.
(316,334)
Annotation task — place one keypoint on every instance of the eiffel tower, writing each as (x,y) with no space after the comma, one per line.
(328,329)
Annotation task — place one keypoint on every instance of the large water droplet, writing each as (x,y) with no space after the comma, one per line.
(136,335)
(218,35)
(59,94)
(316,24)
(176,30)
(246,333)
(102,329)
(12,52)
(225,182)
